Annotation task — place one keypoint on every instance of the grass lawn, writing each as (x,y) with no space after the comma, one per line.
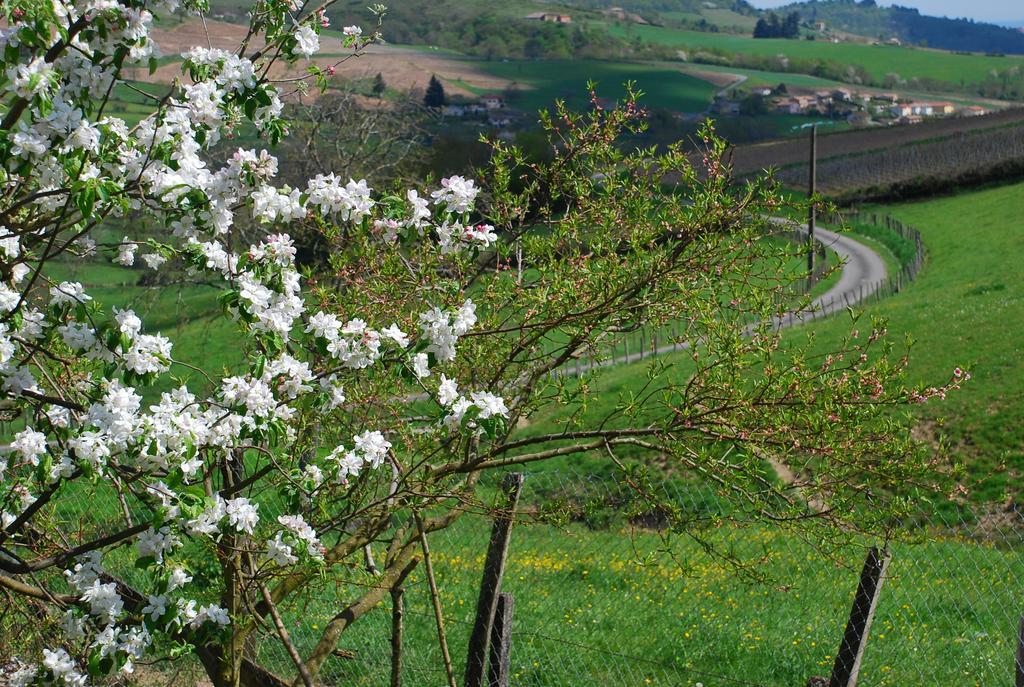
(878,60)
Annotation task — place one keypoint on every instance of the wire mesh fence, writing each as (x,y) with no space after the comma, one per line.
(607,592)
(602,597)
(648,342)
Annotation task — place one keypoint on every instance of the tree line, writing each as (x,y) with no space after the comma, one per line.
(775,27)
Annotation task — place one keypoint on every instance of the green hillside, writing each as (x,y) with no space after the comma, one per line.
(475,27)
(910,26)
(964,310)
(882,65)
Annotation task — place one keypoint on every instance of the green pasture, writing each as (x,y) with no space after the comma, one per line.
(878,60)
(623,606)
(607,602)
(543,82)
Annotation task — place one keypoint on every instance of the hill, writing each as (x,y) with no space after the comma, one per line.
(735,16)
(856,62)
(908,25)
(480,28)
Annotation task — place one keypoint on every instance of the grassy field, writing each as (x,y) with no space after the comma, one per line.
(878,60)
(546,81)
(600,603)
(966,310)
(620,606)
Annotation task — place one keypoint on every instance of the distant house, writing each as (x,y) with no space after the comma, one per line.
(844,94)
(622,15)
(805,102)
(922,109)
(461,110)
(860,118)
(894,41)
(762,91)
(726,106)
(943,108)
(973,111)
(551,17)
(790,106)
(888,97)
(820,26)
(902,110)
(492,101)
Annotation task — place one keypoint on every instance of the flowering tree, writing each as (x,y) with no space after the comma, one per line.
(367,397)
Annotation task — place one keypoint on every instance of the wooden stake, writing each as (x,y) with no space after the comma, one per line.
(1019,667)
(851,651)
(436,600)
(397,630)
(499,666)
(490,584)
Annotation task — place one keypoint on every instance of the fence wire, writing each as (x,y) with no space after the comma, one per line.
(602,599)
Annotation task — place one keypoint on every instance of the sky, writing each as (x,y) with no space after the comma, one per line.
(980,10)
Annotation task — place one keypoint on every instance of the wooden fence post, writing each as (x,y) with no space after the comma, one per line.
(1019,667)
(490,584)
(397,630)
(500,662)
(851,651)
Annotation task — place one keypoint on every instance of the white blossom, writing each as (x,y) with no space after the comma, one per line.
(489,404)
(242,514)
(29,445)
(457,193)
(307,42)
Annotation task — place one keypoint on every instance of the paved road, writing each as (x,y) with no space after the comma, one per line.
(863,273)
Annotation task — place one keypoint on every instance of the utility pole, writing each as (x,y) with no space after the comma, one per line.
(813,190)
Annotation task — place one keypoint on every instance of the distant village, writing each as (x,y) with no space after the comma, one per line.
(857,108)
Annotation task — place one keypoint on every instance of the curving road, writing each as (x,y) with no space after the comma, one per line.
(863,273)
